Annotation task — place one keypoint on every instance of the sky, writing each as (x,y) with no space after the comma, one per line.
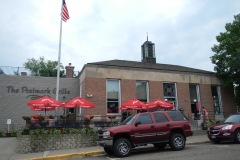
(100,30)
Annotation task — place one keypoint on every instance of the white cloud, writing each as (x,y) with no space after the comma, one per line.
(183,30)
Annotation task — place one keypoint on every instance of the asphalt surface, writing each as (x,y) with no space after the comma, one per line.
(8,147)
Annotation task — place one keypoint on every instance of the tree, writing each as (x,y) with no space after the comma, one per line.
(1,71)
(227,55)
(42,67)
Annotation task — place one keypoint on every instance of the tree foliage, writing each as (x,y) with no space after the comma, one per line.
(1,71)
(227,55)
(42,67)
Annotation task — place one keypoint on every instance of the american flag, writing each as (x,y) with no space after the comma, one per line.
(65,15)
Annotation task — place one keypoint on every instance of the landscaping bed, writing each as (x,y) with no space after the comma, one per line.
(40,140)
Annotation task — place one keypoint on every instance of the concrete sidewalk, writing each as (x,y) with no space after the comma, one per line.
(8,146)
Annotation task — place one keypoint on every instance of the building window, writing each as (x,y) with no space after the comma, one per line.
(153,48)
(169,92)
(146,51)
(113,88)
(194,97)
(142,91)
(216,95)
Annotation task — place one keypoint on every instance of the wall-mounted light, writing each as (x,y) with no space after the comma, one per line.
(194,100)
(89,95)
(165,100)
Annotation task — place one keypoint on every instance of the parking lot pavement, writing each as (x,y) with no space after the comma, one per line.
(8,147)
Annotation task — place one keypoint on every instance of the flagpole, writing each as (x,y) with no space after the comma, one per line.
(59,59)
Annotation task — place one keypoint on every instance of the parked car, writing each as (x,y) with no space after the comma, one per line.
(227,131)
(158,128)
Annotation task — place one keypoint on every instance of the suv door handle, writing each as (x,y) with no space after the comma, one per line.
(168,125)
(151,126)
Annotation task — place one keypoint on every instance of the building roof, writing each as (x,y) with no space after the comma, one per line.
(150,66)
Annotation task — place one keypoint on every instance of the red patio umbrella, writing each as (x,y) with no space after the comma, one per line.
(133,104)
(43,109)
(44,102)
(159,103)
(78,102)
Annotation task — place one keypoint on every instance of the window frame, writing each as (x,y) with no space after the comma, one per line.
(146,89)
(115,102)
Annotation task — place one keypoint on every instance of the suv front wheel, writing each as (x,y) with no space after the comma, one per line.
(122,147)
(177,142)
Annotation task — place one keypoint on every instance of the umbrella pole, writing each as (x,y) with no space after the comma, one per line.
(80,114)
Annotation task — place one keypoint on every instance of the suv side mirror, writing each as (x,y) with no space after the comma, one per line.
(137,123)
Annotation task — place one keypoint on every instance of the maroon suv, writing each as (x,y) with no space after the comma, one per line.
(157,128)
(229,130)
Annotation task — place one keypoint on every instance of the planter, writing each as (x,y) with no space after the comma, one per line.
(39,143)
(8,134)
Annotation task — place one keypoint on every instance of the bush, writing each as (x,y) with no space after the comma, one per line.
(59,131)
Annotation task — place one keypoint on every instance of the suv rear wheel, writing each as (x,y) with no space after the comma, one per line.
(177,141)
(122,147)
(237,136)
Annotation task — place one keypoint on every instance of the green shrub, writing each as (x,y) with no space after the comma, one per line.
(57,131)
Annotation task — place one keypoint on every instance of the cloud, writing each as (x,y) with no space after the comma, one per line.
(183,31)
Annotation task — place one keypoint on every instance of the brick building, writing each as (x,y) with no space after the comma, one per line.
(108,84)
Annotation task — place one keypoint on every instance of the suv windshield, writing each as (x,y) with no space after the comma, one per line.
(129,120)
(233,118)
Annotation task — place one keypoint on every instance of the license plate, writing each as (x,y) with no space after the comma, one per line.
(213,137)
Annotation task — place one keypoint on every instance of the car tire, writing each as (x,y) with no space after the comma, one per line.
(160,145)
(108,150)
(122,147)
(177,142)
(237,136)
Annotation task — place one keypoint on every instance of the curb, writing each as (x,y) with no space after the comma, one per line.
(82,154)
(198,142)
(73,155)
